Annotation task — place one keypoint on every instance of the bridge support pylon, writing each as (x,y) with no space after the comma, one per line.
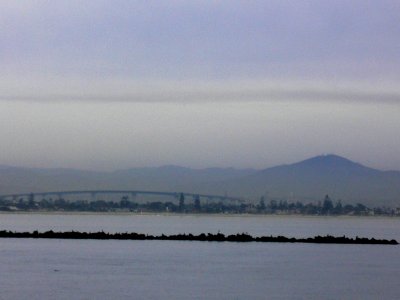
(133,196)
(93,196)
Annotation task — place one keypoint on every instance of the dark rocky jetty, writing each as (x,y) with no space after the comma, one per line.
(209,237)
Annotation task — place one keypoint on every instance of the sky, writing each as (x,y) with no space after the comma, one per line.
(105,85)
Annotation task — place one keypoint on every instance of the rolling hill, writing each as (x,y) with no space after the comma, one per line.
(313,178)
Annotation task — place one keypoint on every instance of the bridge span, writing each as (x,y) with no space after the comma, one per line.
(133,193)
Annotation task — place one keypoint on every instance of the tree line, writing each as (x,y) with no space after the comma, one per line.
(195,205)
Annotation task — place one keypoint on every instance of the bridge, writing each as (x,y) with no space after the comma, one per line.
(133,193)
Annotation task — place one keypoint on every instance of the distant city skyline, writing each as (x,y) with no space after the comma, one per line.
(110,85)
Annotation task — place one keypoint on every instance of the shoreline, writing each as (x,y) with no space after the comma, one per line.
(169,214)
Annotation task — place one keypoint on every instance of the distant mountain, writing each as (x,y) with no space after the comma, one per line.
(25,180)
(165,178)
(308,180)
(175,178)
(313,178)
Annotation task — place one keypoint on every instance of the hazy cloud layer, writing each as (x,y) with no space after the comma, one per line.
(114,84)
(189,91)
(199,39)
(242,134)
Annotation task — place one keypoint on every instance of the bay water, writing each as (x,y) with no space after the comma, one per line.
(92,269)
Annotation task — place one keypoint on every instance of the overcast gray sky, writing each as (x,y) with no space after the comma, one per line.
(118,84)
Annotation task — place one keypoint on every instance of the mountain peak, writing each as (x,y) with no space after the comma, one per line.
(328,159)
(331,162)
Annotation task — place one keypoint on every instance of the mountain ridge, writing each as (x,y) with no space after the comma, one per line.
(323,157)
(312,178)
(306,180)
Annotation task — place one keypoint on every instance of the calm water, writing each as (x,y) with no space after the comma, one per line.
(73,269)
